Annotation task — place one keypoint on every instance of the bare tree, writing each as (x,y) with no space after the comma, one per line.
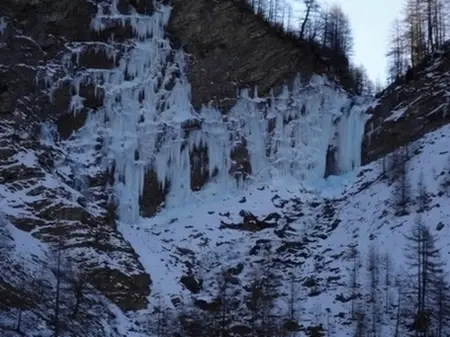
(361,322)
(396,52)
(402,189)
(424,260)
(160,328)
(58,273)
(445,182)
(354,276)
(336,33)
(224,298)
(441,295)
(423,199)
(373,268)
(398,315)
(378,88)
(292,299)
(311,7)
(414,31)
(388,266)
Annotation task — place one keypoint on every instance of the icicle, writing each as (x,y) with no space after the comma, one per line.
(289,137)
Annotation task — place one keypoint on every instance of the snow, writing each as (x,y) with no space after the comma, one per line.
(147,103)
(362,203)
(396,114)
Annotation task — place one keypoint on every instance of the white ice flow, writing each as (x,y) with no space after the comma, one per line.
(147,102)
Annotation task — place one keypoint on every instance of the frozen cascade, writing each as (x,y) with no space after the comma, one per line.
(147,104)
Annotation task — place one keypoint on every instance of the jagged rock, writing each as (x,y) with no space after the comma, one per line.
(291,326)
(240,167)
(97,56)
(207,306)
(330,166)
(191,283)
(252,224)
(199,167)
(315,331)
(241,330)
(236,270)
(37,35)
(141,6)
(335,224)
(127,291)
(11,297)
(310,282)
(153,195)
(291,247)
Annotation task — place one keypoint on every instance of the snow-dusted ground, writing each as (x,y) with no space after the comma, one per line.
(362,203)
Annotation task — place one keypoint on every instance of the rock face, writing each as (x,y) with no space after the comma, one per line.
(37,175)
(230,48)
(414,105)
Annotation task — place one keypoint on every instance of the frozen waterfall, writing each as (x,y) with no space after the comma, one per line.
(147,103)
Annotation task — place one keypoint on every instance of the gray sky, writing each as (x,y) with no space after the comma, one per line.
(371,22)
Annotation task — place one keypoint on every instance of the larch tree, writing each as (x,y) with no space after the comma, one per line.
(311,7)
(293,299)
(423,198)
(373,268)
(414,31)
(401,192)
(354,278)
(388,271)
(396,52)
(441,312)
(424,260)
(445,182)
(336,31)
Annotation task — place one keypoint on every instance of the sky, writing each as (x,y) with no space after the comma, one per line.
(371,23)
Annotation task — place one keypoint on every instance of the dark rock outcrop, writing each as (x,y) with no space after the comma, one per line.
(37,40)
(230,48)
(414,105)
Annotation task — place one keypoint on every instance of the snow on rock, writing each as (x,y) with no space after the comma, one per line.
(410,107)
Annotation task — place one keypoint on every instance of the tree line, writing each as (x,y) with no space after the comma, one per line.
(419,32)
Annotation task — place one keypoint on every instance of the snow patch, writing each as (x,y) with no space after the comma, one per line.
(396,115)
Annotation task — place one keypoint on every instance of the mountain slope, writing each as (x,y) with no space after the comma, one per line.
(105,161)
(310,230)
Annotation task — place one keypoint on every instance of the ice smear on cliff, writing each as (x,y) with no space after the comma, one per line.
(147,105)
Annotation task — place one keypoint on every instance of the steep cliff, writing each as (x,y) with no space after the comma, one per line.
(42,180)
(415,104)
(230,48)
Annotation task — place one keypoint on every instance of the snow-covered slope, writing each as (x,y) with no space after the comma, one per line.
(310,229)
